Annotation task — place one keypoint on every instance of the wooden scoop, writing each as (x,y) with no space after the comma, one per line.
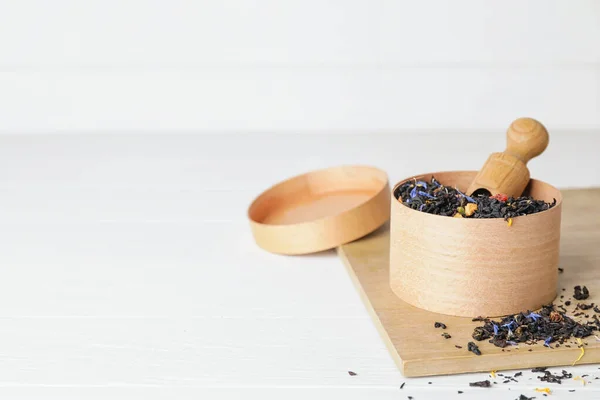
(507,172)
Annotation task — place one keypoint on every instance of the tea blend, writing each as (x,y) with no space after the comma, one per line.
(485,383)
(549,326)
(351,373)
(439,325)
(551,378)
(435,198)
(581,294)
(472,347)
(582,306)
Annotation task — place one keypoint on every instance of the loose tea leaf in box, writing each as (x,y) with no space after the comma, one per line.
(435,198)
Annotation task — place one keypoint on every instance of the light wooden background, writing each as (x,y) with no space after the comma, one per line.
(296,66)
(128,270)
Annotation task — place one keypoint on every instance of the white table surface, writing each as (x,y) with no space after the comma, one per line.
(129,270)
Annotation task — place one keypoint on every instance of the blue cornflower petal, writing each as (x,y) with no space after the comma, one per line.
(425,194)
(472,200)
(413,192)
(421,207)
(495,329)
(547,341)
(421,183)
(509,324)
(512,343)
(534,316)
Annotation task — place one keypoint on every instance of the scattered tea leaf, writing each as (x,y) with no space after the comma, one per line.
(549,325)
(581,293)
(551,378)
(472,347)
(485,383)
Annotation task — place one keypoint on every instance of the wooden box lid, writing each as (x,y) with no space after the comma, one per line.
(320,210)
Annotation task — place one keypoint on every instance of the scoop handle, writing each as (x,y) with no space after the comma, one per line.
(526,138)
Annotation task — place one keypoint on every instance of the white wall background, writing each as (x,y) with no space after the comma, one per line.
(297,65)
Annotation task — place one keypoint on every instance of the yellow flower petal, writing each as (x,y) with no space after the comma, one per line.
(580,354)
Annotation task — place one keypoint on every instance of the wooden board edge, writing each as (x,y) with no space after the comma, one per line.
(468,365)
(373,314)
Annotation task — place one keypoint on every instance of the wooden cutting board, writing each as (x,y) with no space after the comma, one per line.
(419,349)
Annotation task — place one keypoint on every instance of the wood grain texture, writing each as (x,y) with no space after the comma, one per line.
(507,172)
(320,210)
(471,267)
(358,64)
(417,346)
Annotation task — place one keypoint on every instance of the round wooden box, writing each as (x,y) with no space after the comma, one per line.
(475,267)
(321,209)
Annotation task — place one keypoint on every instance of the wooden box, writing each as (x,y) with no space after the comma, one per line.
(475,267)
(321,209)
